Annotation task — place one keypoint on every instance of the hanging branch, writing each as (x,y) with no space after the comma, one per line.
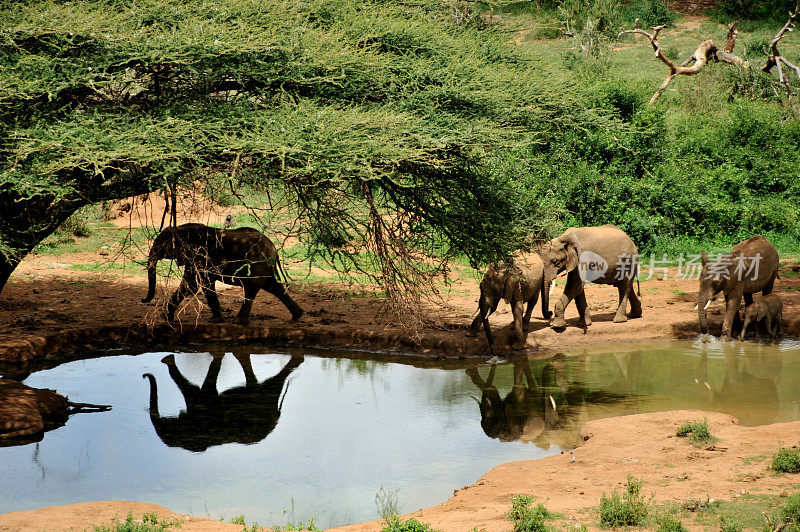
(705,52)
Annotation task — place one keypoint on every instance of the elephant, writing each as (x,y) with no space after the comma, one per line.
(603,255)
(244,414)
(242,256)
(768,308)
(27,413)
(750,267)
(517,283)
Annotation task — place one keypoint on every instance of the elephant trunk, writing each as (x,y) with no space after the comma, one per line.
(153,394)
(151,280)
(702,316)
(546,300)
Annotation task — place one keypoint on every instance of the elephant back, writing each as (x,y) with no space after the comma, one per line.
(523,278)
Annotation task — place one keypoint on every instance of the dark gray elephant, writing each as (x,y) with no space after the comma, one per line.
(769,309)
(27,413)
(603,255)
(517,283)
(245,414)
(750,267)
(243,257)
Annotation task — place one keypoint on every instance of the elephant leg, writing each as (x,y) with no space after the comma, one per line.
(484,313)
(483,306)
(278,290)
(517,308)
(213,301)
(583,309)
(768,323)
(732,303)
(768,287)
(636,303)
(187,287)
(249,375)
(571,289)
(526,320)
(250,291)
(623,288)
(209,386)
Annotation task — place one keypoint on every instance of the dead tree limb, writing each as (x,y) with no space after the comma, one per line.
(774,57)
(705,52)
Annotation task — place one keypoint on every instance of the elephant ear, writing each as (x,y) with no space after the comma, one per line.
(573,250)
(761,313)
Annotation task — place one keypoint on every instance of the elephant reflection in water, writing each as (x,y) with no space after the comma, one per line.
(244,414)
(545,406)
(749,388)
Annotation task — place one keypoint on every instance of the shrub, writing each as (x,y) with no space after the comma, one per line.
(786,460)
(698,430)
(395,524)
(670,523)
(525,517)
(790,513)
(628,510)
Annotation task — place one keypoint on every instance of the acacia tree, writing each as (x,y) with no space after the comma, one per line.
(393,133)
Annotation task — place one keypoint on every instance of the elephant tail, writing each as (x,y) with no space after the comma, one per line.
(638,286)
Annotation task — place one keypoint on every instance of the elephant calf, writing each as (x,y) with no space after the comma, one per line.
(768,308)
(517,283)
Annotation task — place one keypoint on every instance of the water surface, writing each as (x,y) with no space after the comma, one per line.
(319,436)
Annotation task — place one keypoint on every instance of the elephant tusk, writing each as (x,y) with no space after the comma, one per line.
(552,287)
(707,386)
(707,304)
(695,307)
(553,402)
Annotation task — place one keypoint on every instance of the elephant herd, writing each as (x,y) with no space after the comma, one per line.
(603,255)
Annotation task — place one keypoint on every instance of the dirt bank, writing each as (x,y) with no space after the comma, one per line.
(642,445)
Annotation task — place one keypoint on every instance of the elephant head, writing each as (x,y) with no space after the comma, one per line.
(558,255)
(182,243)
(709,287)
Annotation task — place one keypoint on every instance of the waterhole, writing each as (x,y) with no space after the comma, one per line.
(285,436)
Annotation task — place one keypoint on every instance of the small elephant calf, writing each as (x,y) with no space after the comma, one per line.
(768,308)
(517,283)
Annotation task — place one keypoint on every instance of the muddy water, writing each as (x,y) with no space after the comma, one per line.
(284,436)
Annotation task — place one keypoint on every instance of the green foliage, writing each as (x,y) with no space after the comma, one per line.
(148,523)
(395,524)
(790,512)
(699,431)
(527,518)
(667,522)
(786,460)
(628,510)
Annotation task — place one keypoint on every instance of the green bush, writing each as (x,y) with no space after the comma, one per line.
(790,512)
(527,518)
(628,510)
(670,523)
(786,460)
(395,524)
(699,431)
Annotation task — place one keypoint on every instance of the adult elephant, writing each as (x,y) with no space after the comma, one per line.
(750,267)
(243,257)
(603,255)
(244,414)
(518,282)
